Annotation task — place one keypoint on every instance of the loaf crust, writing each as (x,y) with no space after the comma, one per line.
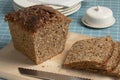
(35,17)
(38,31)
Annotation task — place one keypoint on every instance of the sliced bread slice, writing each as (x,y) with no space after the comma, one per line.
(113,61)
(90,53)
(116,70)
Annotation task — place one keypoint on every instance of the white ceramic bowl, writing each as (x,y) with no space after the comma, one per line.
(98,17)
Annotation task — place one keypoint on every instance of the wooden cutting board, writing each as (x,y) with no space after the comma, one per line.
(10,60)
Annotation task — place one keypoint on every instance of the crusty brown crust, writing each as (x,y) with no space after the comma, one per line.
(35,17)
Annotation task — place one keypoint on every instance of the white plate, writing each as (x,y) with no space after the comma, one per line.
(14,3)
(98,26)
(27,3)
(54,6)
(66,9)
(71,10)
(24,3)
(67,14)
(16,7)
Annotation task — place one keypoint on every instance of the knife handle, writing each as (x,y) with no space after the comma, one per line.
(2,78)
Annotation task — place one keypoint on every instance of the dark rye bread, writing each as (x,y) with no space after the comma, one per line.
(90,53)
(38,31)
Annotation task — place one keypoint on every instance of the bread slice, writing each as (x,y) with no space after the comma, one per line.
(38,31)
(112,62)
(90,53)
(116,70)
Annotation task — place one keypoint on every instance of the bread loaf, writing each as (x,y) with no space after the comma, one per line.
(38,31)
(90,53)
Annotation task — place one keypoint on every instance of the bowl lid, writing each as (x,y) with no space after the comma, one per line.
(99,12)
(98,26)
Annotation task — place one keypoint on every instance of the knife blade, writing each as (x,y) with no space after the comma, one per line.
(47,75)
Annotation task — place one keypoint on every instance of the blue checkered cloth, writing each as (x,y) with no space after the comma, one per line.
(76,25)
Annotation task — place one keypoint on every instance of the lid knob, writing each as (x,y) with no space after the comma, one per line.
(97,8)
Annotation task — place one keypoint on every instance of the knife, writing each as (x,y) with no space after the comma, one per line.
(2,78)
(47,75)
(10,76)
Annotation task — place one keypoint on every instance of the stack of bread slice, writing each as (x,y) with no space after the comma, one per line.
(100,55)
